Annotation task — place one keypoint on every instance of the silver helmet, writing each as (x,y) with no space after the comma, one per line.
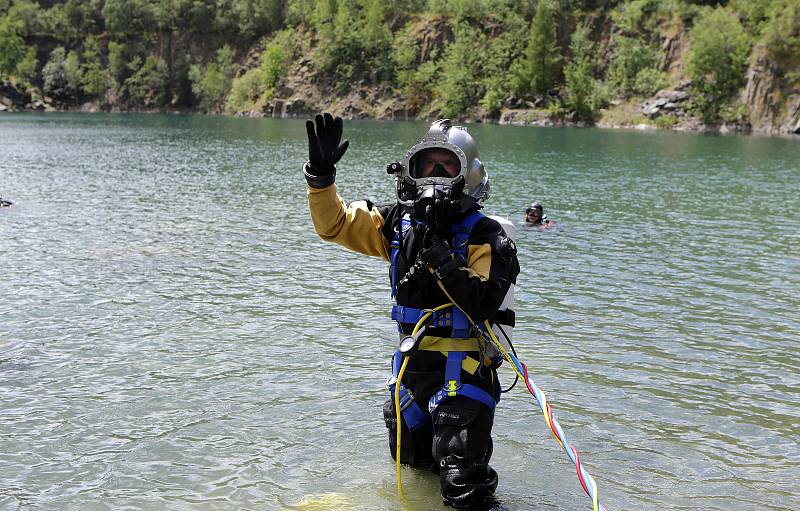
(468,189)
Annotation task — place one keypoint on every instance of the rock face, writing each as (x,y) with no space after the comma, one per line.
(764,96)
(675,102)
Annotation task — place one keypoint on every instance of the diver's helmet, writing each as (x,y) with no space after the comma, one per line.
(453,195)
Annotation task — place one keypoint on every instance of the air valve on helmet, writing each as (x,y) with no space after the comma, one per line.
(394,168)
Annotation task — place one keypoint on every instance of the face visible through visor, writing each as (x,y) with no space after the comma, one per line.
(435,162)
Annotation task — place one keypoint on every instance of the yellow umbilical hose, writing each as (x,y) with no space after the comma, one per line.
(417,327)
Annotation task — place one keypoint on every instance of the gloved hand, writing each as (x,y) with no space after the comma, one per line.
(324,150)
(437,257)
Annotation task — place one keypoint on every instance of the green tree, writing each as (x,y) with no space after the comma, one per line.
(95,77)
(149,85)
(73,74)
(540,67)
(12,45)
(54,74)
(717,59)
(299,12)
(129,16)
(117,62)
(458,87)
(26,68)
(579,76)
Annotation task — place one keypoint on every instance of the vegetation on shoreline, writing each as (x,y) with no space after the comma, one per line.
(569,58)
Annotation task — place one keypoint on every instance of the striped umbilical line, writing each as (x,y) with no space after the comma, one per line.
(585,478)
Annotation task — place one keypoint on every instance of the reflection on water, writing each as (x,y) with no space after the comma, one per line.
(173,334)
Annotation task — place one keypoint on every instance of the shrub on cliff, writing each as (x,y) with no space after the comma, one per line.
(354,40)
(632,66)
(782,37)
(717,59)
(212,81)
(257,85)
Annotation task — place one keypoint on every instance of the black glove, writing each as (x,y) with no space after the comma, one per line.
(324,150)
(437,257)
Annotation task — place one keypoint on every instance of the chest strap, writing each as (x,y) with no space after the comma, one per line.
(450,317)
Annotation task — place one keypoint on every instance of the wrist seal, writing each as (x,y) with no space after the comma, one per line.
(319,178)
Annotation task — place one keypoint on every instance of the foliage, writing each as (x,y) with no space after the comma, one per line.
(666,122)
(95,79)
(447,56)
(257,85)
(457,88)
(72,73)
(753,13)
(717,58)
(12,45)
(54,73)
(149,84)
(634,16)
(354,40)
(211,82)
(492,100)
(276,58)
(579,77)
(648,81)
(117,62)
(540,68)
(631,56)
(782,36)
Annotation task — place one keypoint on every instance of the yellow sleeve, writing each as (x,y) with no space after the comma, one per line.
(353,225)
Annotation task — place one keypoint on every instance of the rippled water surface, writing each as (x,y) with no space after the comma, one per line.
(173,335)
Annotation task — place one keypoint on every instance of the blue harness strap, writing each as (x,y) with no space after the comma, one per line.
(453,386)
(413,415)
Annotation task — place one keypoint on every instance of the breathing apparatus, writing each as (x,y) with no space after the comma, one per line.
(439,197)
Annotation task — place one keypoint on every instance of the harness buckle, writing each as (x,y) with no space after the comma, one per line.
(390,381)
(452,385)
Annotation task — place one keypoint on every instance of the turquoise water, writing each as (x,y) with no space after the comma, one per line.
(173,335)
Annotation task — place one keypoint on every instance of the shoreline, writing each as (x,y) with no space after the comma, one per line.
(688,128)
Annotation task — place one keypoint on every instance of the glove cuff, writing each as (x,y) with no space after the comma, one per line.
(317,178)
(447,268)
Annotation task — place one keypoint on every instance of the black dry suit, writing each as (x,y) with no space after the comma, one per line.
(450,385)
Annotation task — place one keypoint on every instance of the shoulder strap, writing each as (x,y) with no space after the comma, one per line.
(397,242)
(461,232)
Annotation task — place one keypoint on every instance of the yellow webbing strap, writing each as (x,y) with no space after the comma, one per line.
(445,344)
(432,343)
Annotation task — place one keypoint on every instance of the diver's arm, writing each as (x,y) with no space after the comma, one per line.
(356,226)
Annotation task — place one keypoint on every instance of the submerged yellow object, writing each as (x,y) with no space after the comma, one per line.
(324,502)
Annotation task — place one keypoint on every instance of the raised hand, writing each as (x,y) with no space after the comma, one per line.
(325,149)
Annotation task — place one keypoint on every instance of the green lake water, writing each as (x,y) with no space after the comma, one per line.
(173,335)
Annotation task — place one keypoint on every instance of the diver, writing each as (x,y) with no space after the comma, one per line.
(536,217)
(438,246)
